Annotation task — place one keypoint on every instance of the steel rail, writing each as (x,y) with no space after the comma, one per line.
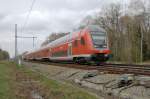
(108,68)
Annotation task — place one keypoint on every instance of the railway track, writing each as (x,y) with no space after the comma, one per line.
(106,68)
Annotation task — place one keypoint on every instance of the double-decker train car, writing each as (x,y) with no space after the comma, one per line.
(87,45)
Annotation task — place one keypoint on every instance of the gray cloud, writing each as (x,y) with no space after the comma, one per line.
(47,16)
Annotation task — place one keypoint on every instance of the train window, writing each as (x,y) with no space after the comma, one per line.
(60,54)
(75,43)
(82,41)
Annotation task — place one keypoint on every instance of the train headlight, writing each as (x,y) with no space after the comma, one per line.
(106,55)
(104,46)
(100,46)
(95,46)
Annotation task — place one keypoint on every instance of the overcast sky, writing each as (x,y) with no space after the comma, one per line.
(47,16)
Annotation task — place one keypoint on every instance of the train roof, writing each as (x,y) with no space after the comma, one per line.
(95,28)
(60,40)
(69,37)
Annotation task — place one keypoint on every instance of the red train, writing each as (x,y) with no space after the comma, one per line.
(87,45)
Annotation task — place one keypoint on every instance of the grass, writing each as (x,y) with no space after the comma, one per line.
(5,81)
(12,78)
(58,90)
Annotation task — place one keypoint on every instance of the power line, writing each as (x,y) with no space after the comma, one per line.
(27,37)
(28,15)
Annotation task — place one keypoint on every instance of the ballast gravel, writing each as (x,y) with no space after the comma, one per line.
(106,85)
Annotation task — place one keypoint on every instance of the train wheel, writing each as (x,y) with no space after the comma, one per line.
(75,60)
(80,60)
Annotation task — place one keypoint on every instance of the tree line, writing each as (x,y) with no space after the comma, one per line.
(4,55)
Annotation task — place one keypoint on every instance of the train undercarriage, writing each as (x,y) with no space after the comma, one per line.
(95,58)
(90,59)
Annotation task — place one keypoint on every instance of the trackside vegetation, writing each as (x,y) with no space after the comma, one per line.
(21,83)
(6,91)
(4,55)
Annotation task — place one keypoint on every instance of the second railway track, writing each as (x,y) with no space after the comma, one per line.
(108,68)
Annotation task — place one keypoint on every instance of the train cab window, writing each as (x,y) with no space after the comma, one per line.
(75,43)
(82,41)
(99,39)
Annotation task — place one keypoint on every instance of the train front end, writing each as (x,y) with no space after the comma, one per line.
(100,48)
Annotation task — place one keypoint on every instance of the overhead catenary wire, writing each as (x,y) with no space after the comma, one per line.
(22,29)
(28,15)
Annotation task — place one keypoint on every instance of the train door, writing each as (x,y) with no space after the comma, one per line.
(69,49)
(50,52)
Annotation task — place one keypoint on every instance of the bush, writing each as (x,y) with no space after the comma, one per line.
(4,55)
